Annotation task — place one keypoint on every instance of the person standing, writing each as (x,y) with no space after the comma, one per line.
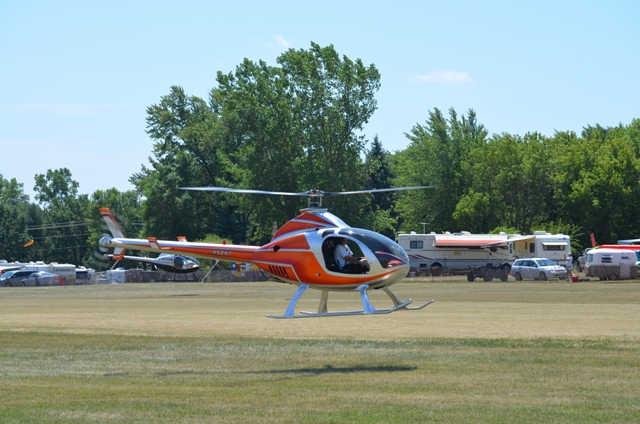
(569,265)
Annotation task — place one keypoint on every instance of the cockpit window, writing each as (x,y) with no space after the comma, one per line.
(388,253)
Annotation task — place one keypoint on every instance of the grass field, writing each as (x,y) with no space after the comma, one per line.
(188,352)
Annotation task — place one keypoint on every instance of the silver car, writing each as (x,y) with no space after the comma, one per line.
(14,278)
(42,278)
(538,269)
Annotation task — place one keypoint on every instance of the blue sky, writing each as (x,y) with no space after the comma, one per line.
(76,77)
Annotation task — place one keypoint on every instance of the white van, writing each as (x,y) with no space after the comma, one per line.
(612,264)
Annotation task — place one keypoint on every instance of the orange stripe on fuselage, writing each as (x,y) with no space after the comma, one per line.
(293,226)
(313,217)
(299,241)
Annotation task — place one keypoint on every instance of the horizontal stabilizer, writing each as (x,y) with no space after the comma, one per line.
(118,253)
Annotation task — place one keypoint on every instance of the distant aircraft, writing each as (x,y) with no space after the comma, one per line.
(168,262)
(630,241)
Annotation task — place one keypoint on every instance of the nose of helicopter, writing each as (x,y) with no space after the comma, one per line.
(181,262)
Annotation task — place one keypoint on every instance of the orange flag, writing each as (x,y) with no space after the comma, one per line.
(29,243)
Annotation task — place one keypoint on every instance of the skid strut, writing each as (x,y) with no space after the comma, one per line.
(367,307)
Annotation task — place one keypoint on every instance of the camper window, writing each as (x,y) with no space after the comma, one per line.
(553,246)
(607,259)
(415,244)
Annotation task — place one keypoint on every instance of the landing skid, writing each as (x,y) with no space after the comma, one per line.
(367,307)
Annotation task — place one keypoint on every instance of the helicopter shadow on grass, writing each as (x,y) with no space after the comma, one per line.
(329,369)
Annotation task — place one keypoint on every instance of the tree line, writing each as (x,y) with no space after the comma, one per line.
(298,126)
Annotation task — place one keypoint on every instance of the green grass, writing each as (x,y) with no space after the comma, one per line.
(501,352)
(77,378)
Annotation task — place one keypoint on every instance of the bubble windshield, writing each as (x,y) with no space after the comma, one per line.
(388,252)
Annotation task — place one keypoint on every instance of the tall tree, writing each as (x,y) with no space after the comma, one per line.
(297,126)
(64,225)
(293,127)
(187,152)
(14,205)
(596,186)
(510,185)
(379,173)
(437,155)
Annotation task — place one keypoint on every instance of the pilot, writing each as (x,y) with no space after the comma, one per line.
(347,262)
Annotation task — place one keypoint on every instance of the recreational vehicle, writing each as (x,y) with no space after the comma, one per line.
(480,255)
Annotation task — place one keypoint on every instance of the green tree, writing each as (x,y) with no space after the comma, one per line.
(187,152)
(510,185)
(379,173)
(292,127)
(596,186)
(296,126)
(14,206)
(64,225)
(438,155)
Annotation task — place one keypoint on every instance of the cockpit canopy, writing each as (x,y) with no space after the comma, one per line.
(388,253)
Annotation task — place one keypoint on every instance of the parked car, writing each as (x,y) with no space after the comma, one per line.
(42,278)
(14,278)
(538,269)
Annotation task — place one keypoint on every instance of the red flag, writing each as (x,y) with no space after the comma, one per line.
(593,240)
(29,243)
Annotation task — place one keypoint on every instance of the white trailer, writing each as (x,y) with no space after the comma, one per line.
(479,255)
(612,264)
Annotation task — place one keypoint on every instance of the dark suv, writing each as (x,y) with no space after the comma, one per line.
(14,278)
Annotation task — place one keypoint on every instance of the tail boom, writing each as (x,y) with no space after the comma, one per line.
(223,252)
(120,244)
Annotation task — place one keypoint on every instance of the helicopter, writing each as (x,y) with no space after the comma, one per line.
(300,253)
(167,262)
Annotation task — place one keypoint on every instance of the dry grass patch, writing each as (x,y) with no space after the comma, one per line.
(464,310)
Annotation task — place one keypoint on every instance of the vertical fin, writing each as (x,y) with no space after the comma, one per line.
(115,230)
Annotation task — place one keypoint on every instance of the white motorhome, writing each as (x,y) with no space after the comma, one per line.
(480,255)
(612,264)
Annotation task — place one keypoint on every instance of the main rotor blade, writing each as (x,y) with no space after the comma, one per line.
(247,191)
(310,193)
(376,190)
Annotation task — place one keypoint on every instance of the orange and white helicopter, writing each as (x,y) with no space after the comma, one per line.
(301,252)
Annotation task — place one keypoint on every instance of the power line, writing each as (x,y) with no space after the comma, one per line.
(63,235)
(62,248)
(59,225)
